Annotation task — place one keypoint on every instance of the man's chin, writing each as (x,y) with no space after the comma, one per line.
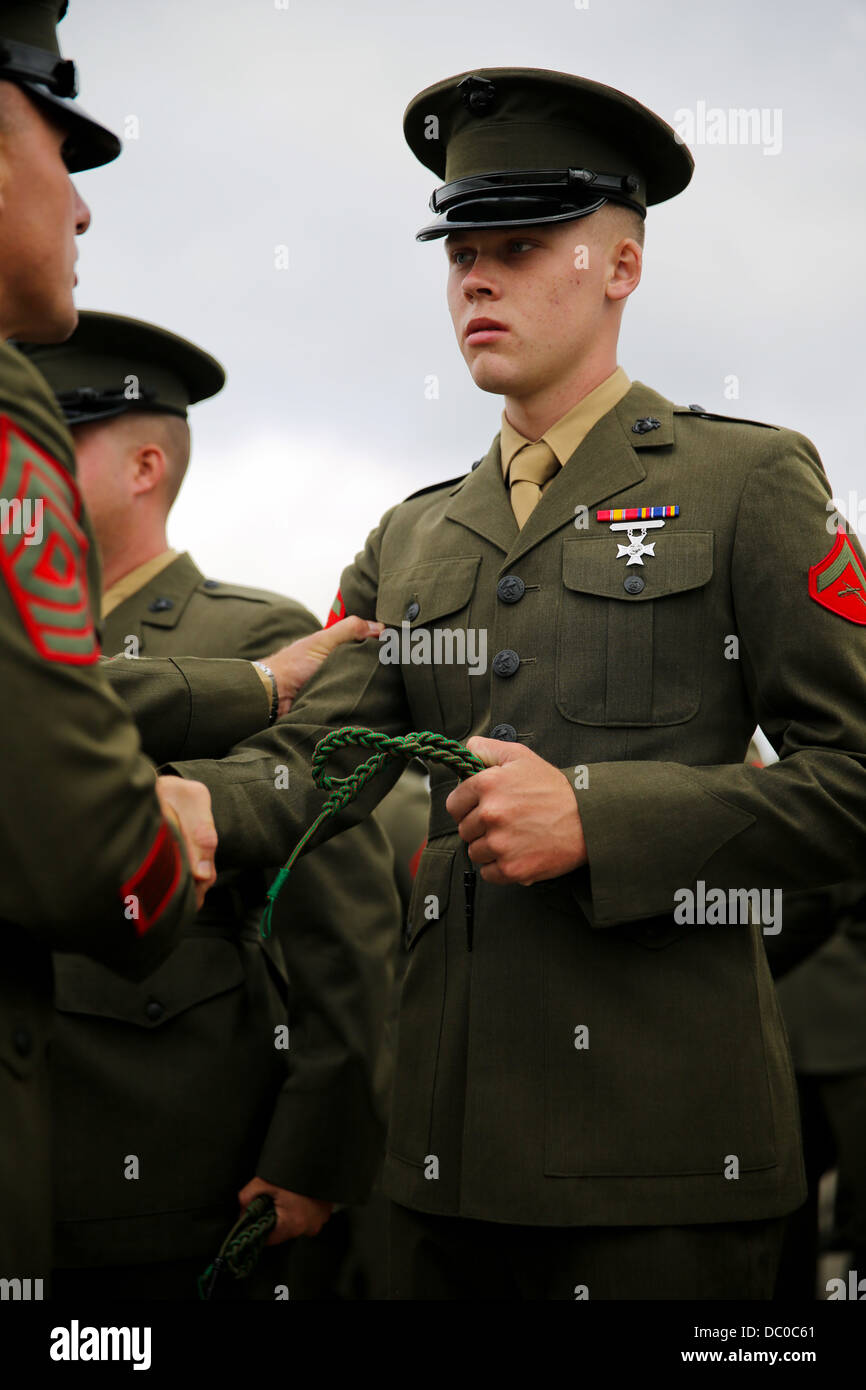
(492,375)
(52,324)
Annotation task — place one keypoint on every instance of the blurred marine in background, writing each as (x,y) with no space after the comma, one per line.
(242,1065)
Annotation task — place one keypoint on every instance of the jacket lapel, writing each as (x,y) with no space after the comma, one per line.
(606,463)
(480,501)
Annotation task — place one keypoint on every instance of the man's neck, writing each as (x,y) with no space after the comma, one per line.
(120,562)
(532,415)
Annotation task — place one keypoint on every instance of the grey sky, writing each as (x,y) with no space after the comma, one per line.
(262,126)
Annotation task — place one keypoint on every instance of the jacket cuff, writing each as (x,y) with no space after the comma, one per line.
(649,829)
(324,1144)
(228,702)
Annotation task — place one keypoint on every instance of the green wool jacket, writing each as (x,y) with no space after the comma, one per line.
(181,1070)
(76,790)
(594,1060)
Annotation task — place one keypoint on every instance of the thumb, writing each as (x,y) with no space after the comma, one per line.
(347,630)
(495,752)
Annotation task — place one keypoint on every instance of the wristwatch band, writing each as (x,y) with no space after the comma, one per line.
(275,692)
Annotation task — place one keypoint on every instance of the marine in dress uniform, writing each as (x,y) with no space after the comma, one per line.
(76,787)
(180,1069)
(594,1094)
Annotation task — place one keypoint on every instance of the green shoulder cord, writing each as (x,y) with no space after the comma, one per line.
(429,747)
(242,1246)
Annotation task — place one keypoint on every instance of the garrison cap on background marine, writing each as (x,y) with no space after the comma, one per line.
(30,57)
(521,146)
(112,365)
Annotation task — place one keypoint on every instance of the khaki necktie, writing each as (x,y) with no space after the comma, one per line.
(532,467)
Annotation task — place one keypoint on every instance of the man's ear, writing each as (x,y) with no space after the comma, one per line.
(149,468)
(626,267)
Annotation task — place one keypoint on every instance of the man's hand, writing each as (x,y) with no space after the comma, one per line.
(187,806)
(293,665)
(296,1215)
(519,817)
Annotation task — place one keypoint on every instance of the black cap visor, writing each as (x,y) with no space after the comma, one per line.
(52,82)
(88,144)
(525,198)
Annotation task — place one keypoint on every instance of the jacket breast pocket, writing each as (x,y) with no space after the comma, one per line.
(426,612)
(632,656)
(198,970)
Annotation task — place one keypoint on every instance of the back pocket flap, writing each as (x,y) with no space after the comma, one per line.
(200,968)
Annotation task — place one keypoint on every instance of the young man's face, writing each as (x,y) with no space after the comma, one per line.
(40,216)
(547,310)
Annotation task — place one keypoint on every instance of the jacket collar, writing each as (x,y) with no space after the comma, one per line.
(161,601)
(606,463)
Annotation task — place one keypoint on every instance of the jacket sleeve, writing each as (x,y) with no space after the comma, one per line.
(77,790)
(799,822)
(338,925)
(189,707)
(264,797)
(338,921)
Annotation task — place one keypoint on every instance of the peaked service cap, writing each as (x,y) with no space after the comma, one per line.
(113,365)
(30,57)
(519,146)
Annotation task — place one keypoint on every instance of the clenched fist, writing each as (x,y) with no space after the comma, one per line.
(296,1215)
(519,817)
(187,806)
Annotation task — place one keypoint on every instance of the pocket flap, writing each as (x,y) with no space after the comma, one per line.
(439,586)
(430,892)
(199,968)
(681,560)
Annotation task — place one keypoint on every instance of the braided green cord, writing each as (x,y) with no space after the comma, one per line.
(430,747)
(242,1246)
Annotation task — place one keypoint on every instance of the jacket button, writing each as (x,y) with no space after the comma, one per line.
(476,464)
(22,1041)
(506,662)
(506,732)
(633,584)
(154,1010)
(161,605)
(211,583)
(412,611)
(510,589)
(699,408)
(645,424)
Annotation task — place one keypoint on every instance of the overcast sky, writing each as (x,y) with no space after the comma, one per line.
(261,125)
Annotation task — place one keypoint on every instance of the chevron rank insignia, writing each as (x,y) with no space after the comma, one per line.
(838,582)
(338,611)
(43,549)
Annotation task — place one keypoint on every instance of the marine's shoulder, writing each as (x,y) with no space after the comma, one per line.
(223,591)
(28,404)
(445,484)
(732,439)
(716,418)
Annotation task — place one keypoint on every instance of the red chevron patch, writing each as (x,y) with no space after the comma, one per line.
(43,550)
